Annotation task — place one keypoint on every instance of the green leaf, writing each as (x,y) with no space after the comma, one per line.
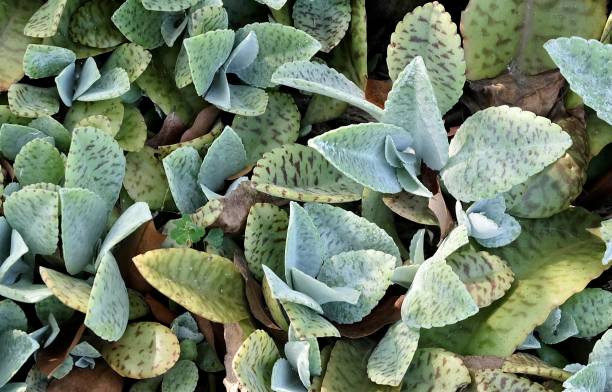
(113,109)
(282,292)
(39,161)
(274,4)
(278,44)
(558,327)
(182,167)
(29,101)
(51,127)
(162,5)
(435,370)
(14,137)
(246,101)
(412,207)
(528,364)
(145,350)
(112,84)
(91,24)
(516,33)
(305,323)
(17,346)
(205,284)
(392,355)
(95,162)
(108,307)
(145,179)
(552,259)
(496,380)
(133,58)
(45,21)
(429,32)
(303,246)
(602,353)
(14,15)
(587,309)
(252,364)
(186,232)
(297,172)
(498,148)
(34,213)
(207,53)
(590,378)
(326,21)
(264,239)
(320,79)
(72,292)
(12,317)
(183,377)
(279,125)
(41,61)
(133,132)
(585,66)
(138,24)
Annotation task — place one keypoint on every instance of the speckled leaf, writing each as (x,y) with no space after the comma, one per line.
(205,284)
(496,380)
(208,17)
(99,121)
(487,277)
(278,44)
(591,378)
(18,346)
(112,109)
(41,61)
(274,4)
(51,127)
(112,84)
(131,57)
(390,359)
(602,353)
(29,101)
(183,377)
(108,307)
(46,19)
(412,207)
(298,172)
(435,370)
(138,24)
(13,137)
(429,32)
(528,364)
(34,213)
(346,369)
(437,297)
(14,15)
(225,157)
(12,317)
(516,32)
(303,247)
(587,308)
(320,79)
(145,179)
(280,291)
(246,101)
(552,259)
(91,24)
(207,53)
(367,271)
(498,148)
(39,161)
(72,292)
(342,231)
(167,6)
(586,66)
(253,362)
(182,167)
(306,323)
(95,162)
(133,132)
(145,350)
(326,21)
(412,105)
(264,239)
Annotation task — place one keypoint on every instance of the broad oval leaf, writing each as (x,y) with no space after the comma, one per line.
(138,24)
(182,377)
(498,148)
(91,24)
(587,308)
(305,323)
(435,370)
(38,161)
(113,109)
(41,61)
(45,21)
(72,292)
(133,131)
(412,207)
(168,6)
(13,137)
(182,167)
(253,362)
(264,238)
(392,355)
(145,179)
(51,127)
(31,102)
(326,21)
(132,58)
(206,284)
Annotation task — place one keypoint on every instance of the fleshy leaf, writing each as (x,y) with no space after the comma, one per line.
(326,21)
(253,362)
(297,355)
(435,370)
(428,31)
(162,5)
(112,84)
(34,213)
(606,235)
(303,247)
(496,380)
(91,24)
(498,148)
(278,44)
(72,292)
(183,376)
(182,167)
(108,307)
(51,127)
(590,378)
(113,109)
(412,105)
(528,364)
(207,53)
(390,359)
(282,292)
(602,353)
(145,179)
(274,4)
(585,65)
(132,58)
(558,327)
(205,284)
(138,24)
(29,101)
(95,162)
(17,346)
(321,292)
(13,137)
(320,79)
(46,19)
(41,61)
(285,378)
(133,132)
(586,307)
(39,161)
(12,317)
(367,271)
(306,323)
(145,350)
(313,179)
(264,239)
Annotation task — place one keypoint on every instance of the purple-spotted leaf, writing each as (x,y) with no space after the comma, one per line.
(253,362)
(264,239)
(72,292)
(392,355)
(45,21)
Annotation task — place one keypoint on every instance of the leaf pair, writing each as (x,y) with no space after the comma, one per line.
(488,223)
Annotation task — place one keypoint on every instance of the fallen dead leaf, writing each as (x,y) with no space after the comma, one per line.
(386,312)
(50,358)
(377,90)
(170,132)
(99,379)
(202,124)
(160,311)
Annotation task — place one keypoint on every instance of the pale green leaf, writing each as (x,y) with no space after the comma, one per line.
(326,21)
(41,61)
(38,161)
(182,167)
(138,24)
(392,355)
(29,101)
(252,364)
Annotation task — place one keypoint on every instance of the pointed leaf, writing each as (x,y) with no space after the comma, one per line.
(321,292)
(29,101)
(38,161)
(254,360)
(285,378)
(112,84)
(392,355)
(493,379)
(207,53)
(45,21)
(72,292)
(182,167)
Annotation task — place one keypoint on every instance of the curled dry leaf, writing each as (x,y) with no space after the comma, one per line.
(202,123)
(170,132)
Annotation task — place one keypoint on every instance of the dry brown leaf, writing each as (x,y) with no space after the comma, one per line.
(160,311)
(386,312)
(50,358)
(99,379)
(233,337)
(170,132)
(377,90)
(202,124)
(483,362)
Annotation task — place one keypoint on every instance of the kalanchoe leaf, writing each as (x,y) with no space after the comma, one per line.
(182,167)
(29,101)
(91,25)
(243,54)
(285,378)
(314,353)
(321,292)
(41,61)
(320,79)
(303,249)
(133,132)
(145,179)
(183,376)
(486,379)
(173,25)
(606,235)
(51,127)
(253,362)
(13,318)
(264,239)
(282,292)
(392,355)
(488,223)
(590,378)
(45,21)
(305,323)
(207,53)
(530,343)
(429,362)
(13,137)
(132,58)
(47,333)
(584,308)
(87,75)
(207,17)
(185,327)
(585,65)
(151,350)
(428,31)
(38,161)
(138,24)
(13,248)
(17,346)
(297,355)
(274,4)
(558,327)
(161,5)
(246,101)
(113,109)
(495,139)
(530,365)
(72,292)
(417,247)
(602,353)
(326,21)
(346,369)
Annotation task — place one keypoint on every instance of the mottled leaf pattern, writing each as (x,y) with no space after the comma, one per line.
(587,310)
(435,370)
(392,355)
(326,21)
(306,323)
(133,132)
(39,161)
(45,21)
(207,53)
(264,238)
(253,362)
(72,292)
(29,101)
(132,58)
(18,346)
(182,377)
(145,179)
(496,380)
(41,61)
(161,5)
(138,24)
(182,167)
(91,24)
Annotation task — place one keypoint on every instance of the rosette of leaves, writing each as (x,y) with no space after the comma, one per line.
(488,223)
